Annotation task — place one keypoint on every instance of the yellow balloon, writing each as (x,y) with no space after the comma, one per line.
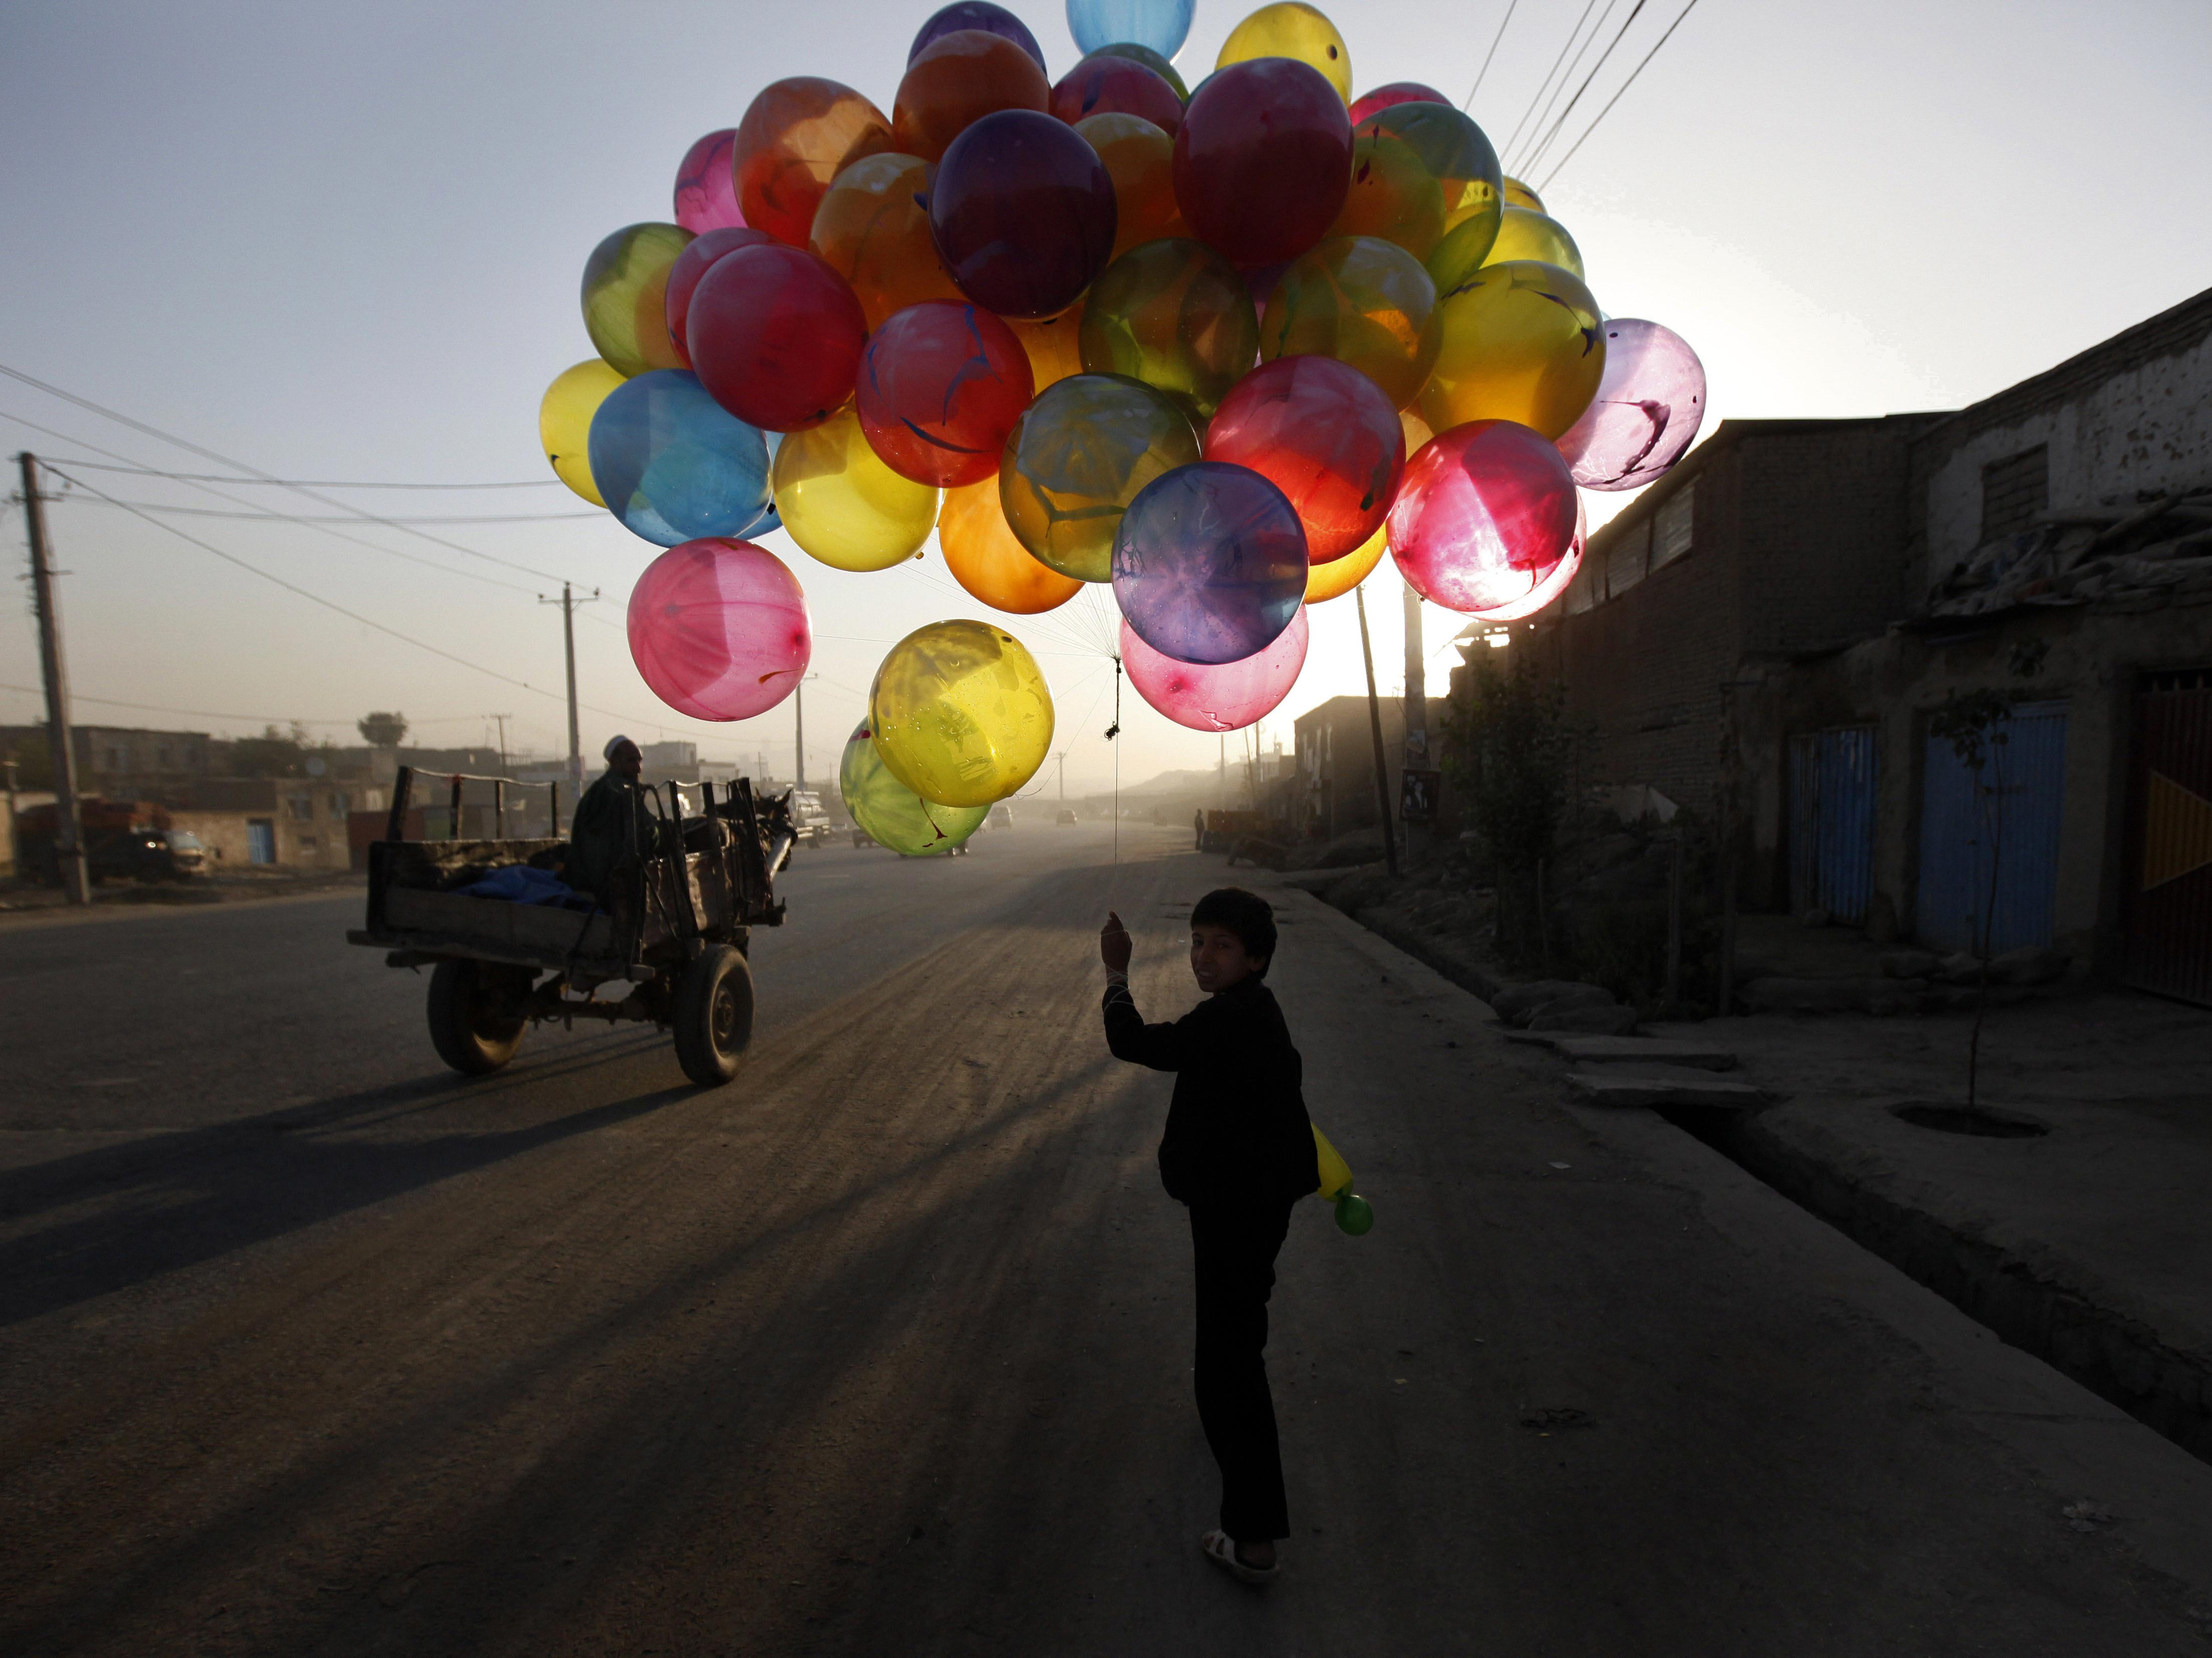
(1335,1172)
(843,505)
(1526,235)
(1519,195)
(987,560)
(1361,301)
(1341,576)
(1292,29)
(1052,342)
(564,423)
(1521,342)
(962,713)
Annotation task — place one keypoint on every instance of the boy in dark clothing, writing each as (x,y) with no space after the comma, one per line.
(1239,1152)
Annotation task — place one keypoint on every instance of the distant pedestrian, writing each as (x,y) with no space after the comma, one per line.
(1238,1151)
(1198,829)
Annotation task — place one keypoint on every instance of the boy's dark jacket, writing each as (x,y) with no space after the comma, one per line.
(1236,1127)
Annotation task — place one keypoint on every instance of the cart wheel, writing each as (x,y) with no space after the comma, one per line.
(713,1016)
(468,1034)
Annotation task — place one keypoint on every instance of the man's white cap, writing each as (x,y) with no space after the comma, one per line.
(613,743)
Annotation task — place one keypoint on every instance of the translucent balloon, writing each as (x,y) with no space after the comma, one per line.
(1085,450)
(1485,514)
(1364,301)
(1335,1173)
(1527,235)
(674,466)
(718,629)
(797,135)
(1175,315)
(1397,92)
(1262,160)
(1341,576)
(1647,410)
(987,560)
(690,265)
(1290,28)
(776,335)
(843,505)
(1421,172)
(1022,213)
(963,715)
(892,815)
(1054,345)
(1107,85)
(564,423)
(626,296)
(1159,26)
(706,190)
(1520,341)
(1139,159)
(941,386)
(1225,697)
(1324,434)
(1355,1216)
(1519,195)
(976,15)
(872,230)
(1209,563)
(956,80)
(1138,52)
(1552,587)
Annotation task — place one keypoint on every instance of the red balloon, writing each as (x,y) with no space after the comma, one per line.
(957,79)
(941,386)
(1485,514)
(775,335)
(1263,160)
(719,629)
(1397,91)
(1111,86)
(797,135)
(1324,434)
(1023,214)
(691,263)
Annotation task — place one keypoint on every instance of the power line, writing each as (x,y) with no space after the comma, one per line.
(263,513)
(76,696)
(1544,84)
(1588,41)
(1616,97)
(1494,42)
(1552,133)
(319,483)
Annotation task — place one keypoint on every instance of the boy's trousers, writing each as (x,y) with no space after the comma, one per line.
(1233,1248)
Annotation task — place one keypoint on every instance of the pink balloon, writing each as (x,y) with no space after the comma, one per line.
(705,188)
(1647,408)
(1226,696)
(718,628)
(1553,585)
(1486,513)
(1397,91)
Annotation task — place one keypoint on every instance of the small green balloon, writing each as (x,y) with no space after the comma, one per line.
(891,814)
(1354,1215)
(1174,314)
(1077,459)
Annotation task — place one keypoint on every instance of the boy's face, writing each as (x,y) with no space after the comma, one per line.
(1219,960)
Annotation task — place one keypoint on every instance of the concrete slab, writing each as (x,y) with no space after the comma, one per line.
(1644,1050)
(1662,1084)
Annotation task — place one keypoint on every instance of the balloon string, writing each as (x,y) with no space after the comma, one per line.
(1116,732)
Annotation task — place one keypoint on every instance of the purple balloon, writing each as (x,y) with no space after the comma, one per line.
(706,189)
(1223,698)
(1210,563)
(1022,213)
(977,14)
(1647,408)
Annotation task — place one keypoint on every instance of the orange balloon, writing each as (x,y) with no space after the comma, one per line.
(1341,576)
(957,79)
(797,135)
(1054,353)
(874,233)
(1140,160)
(984,557)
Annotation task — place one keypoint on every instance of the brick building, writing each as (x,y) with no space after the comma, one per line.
(1333,788)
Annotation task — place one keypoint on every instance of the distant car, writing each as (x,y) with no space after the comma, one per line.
(1067,815)
(808,817)
(1002,816)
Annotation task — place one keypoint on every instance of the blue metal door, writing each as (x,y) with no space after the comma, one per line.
(1832,792)
(1999,822)
(260,841)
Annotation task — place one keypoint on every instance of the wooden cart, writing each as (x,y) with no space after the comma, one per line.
(675,928)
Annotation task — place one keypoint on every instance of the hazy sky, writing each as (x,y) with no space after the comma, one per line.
(344,242)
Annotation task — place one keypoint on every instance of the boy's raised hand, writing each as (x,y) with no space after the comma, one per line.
(1114,945)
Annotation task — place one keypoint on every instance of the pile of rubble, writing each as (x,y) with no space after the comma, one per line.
(2124,557)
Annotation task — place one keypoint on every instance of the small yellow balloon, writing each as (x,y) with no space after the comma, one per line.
(843,505)
(1527,235)
(1521,342)
(1341,576)
(1519,195)
(1361,301)
(1054,345)
(1292,29)
(564,423)
(987,560)
(1335,1172)
(961,713)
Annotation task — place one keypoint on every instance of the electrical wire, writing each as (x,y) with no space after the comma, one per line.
(265,515)
(1543,85)
(1616,97)
(317,483)
(1581,52)
(215,714)
(1494,42)
(1551,136)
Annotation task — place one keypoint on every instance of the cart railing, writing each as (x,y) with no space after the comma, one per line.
(402,789)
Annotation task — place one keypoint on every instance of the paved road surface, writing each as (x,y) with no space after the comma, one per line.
(307,1347)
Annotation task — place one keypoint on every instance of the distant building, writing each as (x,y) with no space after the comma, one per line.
(1332,784)
(124,762)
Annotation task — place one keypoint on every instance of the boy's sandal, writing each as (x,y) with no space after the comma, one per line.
(1221,1549)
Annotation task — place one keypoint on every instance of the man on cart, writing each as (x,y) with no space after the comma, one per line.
(614,826)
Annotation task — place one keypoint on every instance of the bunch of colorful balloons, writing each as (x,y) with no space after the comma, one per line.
(1217,347)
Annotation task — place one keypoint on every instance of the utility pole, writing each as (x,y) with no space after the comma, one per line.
(68,840)
(567,602)
(1375,725)
(1417,702)
(1062,757)
(798,738)
(500,719)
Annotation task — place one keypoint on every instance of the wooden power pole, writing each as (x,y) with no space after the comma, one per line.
(68,839)
(1374,726)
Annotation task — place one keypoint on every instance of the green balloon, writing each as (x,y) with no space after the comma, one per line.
(1354,1214)
(893,814)
(1150,59)
(1077,459)
(1174,314)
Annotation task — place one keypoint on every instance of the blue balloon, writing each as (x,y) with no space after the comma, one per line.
(1210,563)
(674,466)
(1160,24)
(977,14)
